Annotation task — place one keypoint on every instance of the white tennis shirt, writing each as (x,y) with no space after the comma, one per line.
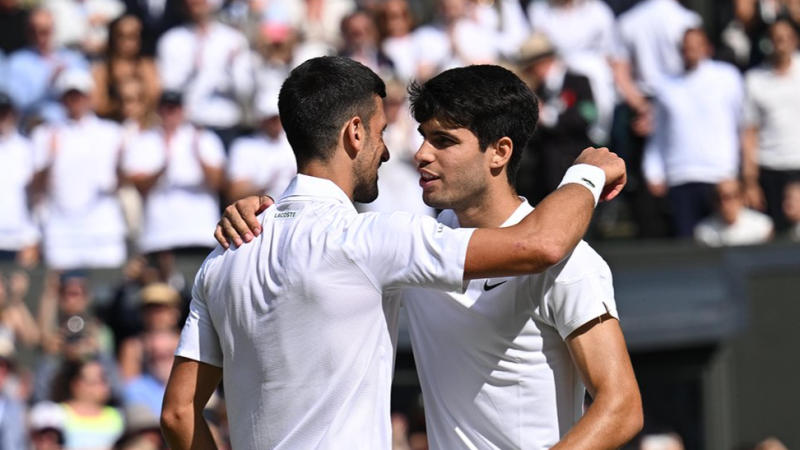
(296,318)
(498,374)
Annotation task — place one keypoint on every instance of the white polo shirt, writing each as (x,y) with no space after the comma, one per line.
(498,375)
(180,209)
(16,159)
(264,162)
(84,226)
(296,317)
(772,106)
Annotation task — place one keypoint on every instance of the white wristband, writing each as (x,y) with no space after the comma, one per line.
(591,177)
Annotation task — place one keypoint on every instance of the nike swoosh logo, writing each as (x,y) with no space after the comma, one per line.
(588,182)
(489,287)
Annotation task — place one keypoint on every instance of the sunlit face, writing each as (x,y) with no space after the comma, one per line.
(73,298)
(454,172)
(132,99)
(92,384)
(41,29)
(76,103)
(397,19)
(371,156)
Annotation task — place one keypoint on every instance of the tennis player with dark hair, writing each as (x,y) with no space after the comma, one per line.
(295,322)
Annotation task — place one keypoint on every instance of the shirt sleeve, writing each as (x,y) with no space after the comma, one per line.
(199,340)
(212,152)
(582,291)
(403,249)
(751,114)
(653,164)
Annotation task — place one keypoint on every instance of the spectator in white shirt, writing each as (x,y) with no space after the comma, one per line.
(178,170)
(395,24)
(273,55)
(263,163)
(77,165)
(18,234)
(32,72)
(733,223)
(210,63)
(771,142)
(695,143)
(83,24)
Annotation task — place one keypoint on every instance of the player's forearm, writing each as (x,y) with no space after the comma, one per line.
(543,238)
(184,428)
(612,420)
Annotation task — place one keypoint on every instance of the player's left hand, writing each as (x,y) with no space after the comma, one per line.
(239,223)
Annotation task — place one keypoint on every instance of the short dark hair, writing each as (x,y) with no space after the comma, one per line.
(318,97)
(488,100)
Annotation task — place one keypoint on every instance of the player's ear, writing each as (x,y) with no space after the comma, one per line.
(353,136)
(500,152)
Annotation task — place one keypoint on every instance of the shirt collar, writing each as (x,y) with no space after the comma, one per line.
(520,213)
(308,186)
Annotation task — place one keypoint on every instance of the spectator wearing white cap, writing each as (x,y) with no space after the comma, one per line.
(18,235)
(264,162)
(178,169)
(33,71)
(46,423)
(211,64)
(77,163)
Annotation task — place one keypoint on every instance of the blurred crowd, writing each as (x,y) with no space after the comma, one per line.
(125,124)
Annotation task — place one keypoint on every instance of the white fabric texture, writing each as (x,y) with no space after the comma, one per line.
(772,106)
(498,374)
(180,210)
(296,317)
(267,163)
(17,229)
(751,227)
(697,125)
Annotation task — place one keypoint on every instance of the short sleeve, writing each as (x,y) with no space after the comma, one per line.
(751,112)
(582,291)
(402,249)
(199,340)
(42,140)
(211,149)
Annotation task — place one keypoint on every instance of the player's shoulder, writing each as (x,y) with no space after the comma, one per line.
(583,262)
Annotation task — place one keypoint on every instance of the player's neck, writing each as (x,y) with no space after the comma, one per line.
(332,171)
(491,210)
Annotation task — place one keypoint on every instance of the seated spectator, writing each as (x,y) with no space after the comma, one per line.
(695,143)
(771,143)
(142,431)
(211,64)
(46,424)
(83,24)
(159,309)
(123,61)
(361,43)
(70,330)
(82,388)
(18,236)
(265,162)
(566,113)
(178,169)
(77,164)
(156,17)
(275,55)
(13,20)
(791,208)
(32,72)
(733,223)
(147,389)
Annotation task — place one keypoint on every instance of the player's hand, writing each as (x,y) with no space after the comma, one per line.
(239,223)
(612,165)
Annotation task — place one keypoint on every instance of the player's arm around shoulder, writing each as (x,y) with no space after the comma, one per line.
(599,353)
